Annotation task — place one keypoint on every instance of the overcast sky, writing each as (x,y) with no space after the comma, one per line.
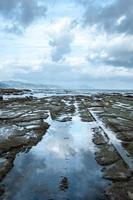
(73,43)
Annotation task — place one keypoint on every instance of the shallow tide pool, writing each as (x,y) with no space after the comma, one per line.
(61,166)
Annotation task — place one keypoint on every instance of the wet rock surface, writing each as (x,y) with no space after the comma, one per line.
(117,172)
(24,121)
(107,155)
(85,116)
(116,114)
(121,190)
(22,125)
(13,91)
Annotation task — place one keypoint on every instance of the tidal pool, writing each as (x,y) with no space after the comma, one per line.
(61,166)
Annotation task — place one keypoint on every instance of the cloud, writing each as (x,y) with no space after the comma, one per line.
(69,48)
(13,28)
(125,60)
(61,46)
(65,74)
(115,50)
(62,39)
(23,12)
(116,16)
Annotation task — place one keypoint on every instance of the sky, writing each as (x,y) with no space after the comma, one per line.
(70,43)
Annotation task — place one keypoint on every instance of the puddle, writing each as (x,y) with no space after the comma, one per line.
(61,166)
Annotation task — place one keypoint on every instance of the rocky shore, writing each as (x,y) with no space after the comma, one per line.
(115,111)
(24,121)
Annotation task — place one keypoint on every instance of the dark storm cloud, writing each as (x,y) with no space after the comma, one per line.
(23,12)
(105,17)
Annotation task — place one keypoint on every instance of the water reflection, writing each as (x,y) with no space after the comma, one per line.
(64,184)
(61,166)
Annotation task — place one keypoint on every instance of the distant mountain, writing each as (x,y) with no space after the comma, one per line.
(3,85)
(22,85)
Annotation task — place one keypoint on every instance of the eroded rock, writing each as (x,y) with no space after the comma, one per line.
(106,155)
